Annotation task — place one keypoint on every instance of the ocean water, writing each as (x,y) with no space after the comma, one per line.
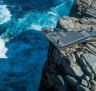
(23,45)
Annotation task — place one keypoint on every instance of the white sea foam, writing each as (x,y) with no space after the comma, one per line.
(53,13)
(5,14)
(3,49)
(35,27)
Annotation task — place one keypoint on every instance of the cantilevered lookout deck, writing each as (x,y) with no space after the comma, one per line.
(62,39)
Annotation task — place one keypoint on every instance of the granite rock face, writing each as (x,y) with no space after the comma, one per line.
(84,8)
(75,71)
(73,68)
(76,24)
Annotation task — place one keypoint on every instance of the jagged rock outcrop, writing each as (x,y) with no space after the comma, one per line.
(75,71)
(73,68)
(84,8)
(76,24)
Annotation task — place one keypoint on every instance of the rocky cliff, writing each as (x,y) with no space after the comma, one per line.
(73,68)
(84,8)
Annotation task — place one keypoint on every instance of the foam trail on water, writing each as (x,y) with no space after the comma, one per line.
(5,14)
(3,49)
(35,27)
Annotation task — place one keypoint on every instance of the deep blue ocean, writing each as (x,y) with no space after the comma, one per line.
(23,46)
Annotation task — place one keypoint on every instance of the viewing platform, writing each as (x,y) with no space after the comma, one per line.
(63,39)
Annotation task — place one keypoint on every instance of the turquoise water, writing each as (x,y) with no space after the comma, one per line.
(23,47)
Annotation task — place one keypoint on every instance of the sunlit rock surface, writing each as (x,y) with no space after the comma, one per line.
(73,68)
(76,24)
(84,8)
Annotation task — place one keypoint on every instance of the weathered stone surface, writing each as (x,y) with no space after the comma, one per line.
(87,78)
(93,88)
(76,24)
(88,72)
(88,2)
(82,88)
(61,79)
(92,48)
(71,59)
(84,8)
(93,82)
(84,83)
(71,80)
(91,61)
(73,69)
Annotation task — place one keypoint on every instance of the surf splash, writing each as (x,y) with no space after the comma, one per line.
(5,14)
(36,19)
(25,51)
(3,49)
